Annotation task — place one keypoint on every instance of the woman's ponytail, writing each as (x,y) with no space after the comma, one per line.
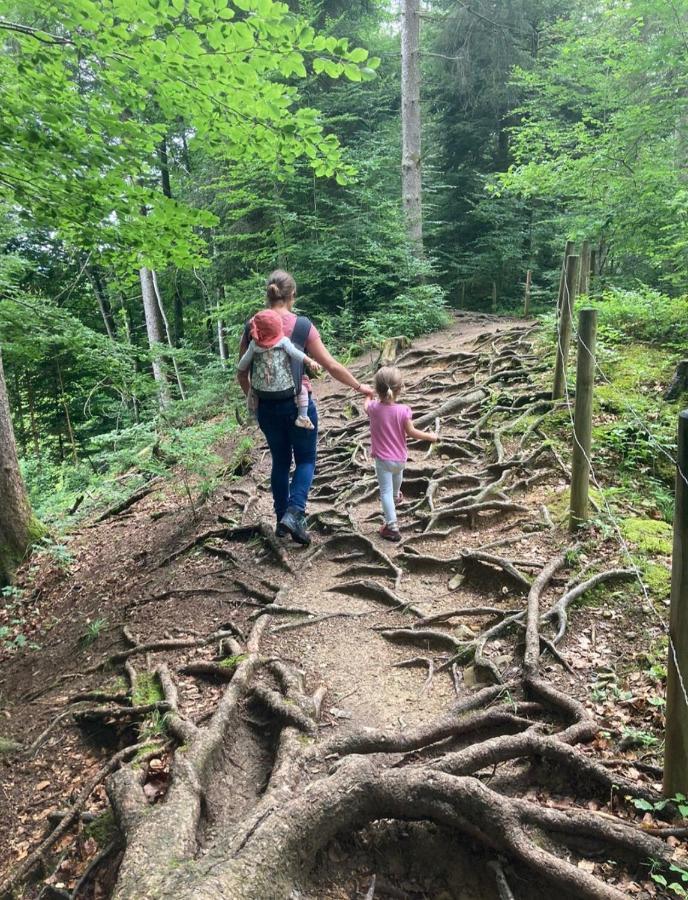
(280,287)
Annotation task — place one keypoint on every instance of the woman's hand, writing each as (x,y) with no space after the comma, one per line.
(367,390)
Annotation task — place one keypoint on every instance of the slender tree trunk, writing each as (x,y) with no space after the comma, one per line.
(221,346)
(411,173)
(154,330)
(168,335)
(103,302)
(20,414)
(17,525)
(65,408)
(35,438)
(166,185)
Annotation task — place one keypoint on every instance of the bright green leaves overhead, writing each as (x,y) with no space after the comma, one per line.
(84,113)
(604,130)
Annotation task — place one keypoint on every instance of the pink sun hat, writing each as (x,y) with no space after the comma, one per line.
(267,328)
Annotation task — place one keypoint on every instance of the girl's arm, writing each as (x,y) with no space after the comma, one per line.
(320,354)
(247,358)
(418,435)
(295,353)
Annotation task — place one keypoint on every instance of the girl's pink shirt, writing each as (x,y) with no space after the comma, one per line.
(387,430)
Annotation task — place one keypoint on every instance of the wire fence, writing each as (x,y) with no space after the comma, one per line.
(661,617)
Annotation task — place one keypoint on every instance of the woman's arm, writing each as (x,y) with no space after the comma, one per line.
(243,376)
(418,435)
(320,354)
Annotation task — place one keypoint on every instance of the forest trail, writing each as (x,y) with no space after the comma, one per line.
(384,731)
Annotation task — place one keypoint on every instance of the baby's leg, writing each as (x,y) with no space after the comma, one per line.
(302,420)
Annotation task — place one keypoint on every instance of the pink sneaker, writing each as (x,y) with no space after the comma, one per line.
(389,533)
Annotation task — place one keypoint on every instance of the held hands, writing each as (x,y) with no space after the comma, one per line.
(366,390)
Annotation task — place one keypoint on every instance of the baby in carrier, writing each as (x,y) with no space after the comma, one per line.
(276,365)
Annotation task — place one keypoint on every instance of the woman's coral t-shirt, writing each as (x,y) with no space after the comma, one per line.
(288,323)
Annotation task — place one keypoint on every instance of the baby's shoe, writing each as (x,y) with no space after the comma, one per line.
(304,422)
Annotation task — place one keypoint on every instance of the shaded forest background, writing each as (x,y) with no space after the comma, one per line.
(542,121)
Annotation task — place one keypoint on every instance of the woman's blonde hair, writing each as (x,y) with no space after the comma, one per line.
(388,383)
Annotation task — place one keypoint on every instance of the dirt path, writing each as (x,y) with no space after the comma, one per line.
(357,750)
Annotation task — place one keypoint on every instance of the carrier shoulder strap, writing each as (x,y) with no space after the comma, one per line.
(299,338)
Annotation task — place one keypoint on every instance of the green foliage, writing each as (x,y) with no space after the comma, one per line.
(92,632)
(674,886)
(419,310)
(679,800)
(644,315)
(601,136)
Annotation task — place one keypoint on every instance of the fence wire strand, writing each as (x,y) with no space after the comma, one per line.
(566,297)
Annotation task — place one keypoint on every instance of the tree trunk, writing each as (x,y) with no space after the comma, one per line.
(168,335)
(166,185)
(411,175)
(103,302)
(154,330)
(18,528)
(32,418)
(65,408)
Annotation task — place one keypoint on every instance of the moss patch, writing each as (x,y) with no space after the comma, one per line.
(657,578)
(8,746)
(231,662)
(648,535)
(103,829)
(147,690)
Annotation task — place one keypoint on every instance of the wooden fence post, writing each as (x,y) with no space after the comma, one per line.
(584,274)
(582,421)
(494,297)
(564,326)
(526,301)
(676,743)
(568,251)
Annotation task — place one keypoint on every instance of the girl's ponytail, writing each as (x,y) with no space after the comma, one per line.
(388,383)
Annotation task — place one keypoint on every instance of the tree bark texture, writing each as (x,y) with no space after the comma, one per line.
(411,170)
(154,330)
(17,526)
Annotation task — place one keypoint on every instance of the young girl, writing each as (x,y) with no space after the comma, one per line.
(390,424)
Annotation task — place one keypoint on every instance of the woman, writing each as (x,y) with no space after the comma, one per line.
(277,418)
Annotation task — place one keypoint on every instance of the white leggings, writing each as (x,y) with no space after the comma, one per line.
(390,474)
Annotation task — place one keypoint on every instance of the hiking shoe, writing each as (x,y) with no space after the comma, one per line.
(280,530)
(294,521)
(304,422)
(390,533)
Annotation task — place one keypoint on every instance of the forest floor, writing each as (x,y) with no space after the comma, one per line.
(360,719)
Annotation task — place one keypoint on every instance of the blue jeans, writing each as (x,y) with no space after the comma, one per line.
(276,419)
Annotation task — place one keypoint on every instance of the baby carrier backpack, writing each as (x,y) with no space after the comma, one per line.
(274,374)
